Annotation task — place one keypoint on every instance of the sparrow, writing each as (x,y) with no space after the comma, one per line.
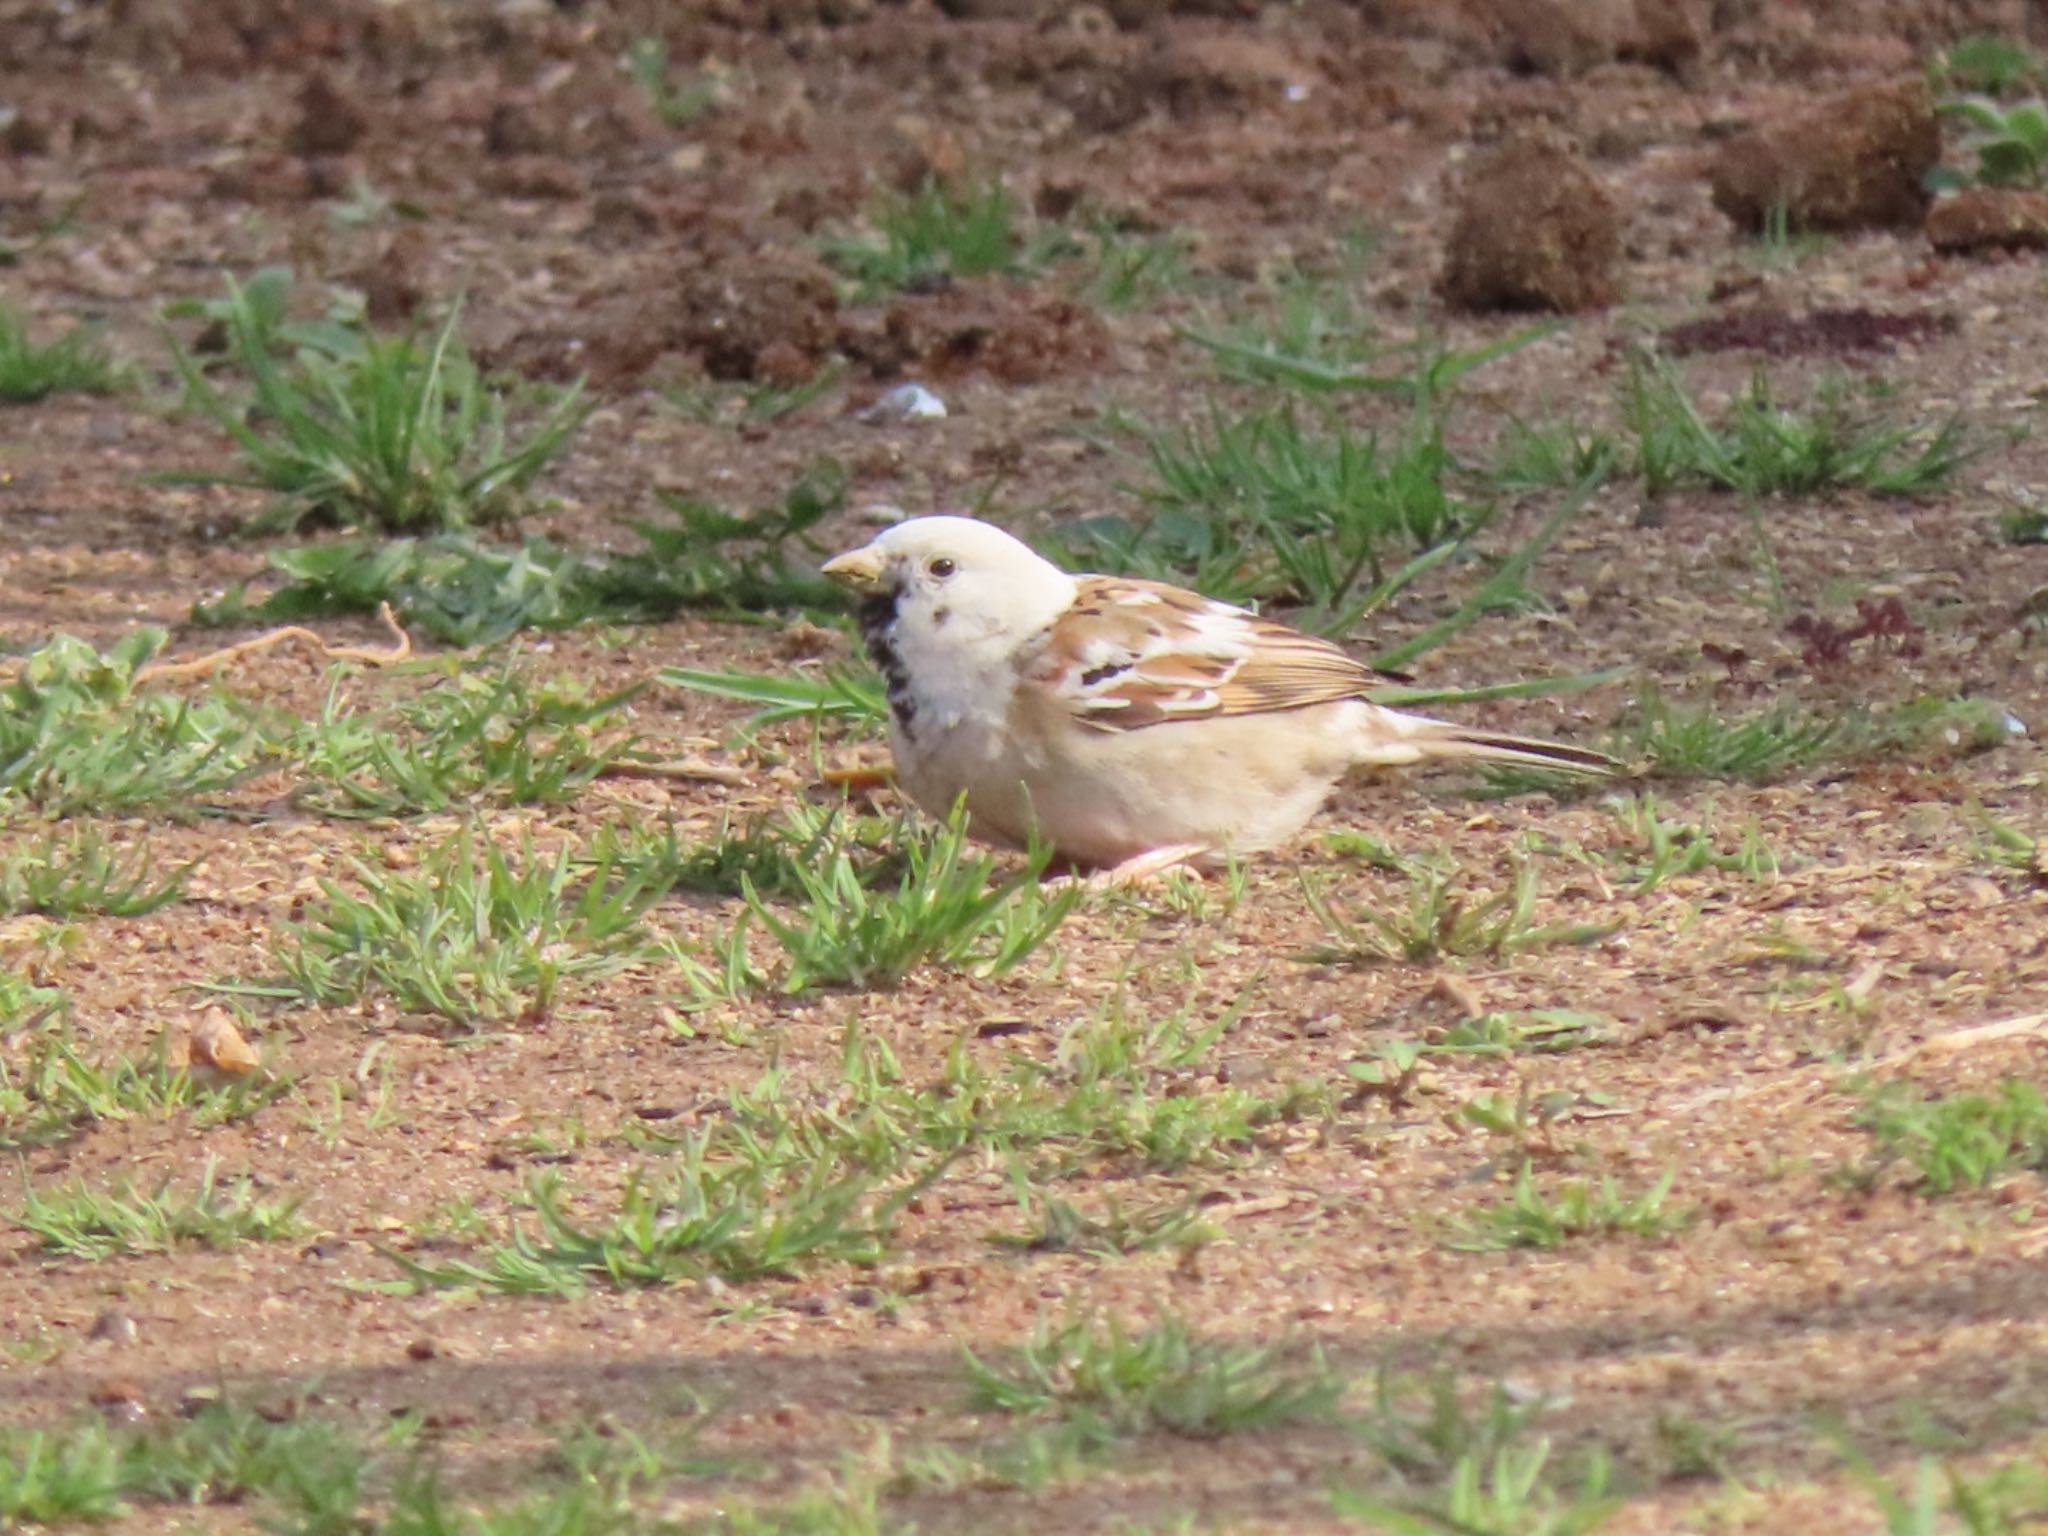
(1131,725)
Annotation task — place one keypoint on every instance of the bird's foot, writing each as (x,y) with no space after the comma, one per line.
(1139,868)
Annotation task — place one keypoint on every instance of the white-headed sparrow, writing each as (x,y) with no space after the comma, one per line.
(1130,724)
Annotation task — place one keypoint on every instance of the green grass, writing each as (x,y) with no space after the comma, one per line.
(2010,848)
(1670,741)
(1943,1500)
(465,590)
(849,696)
(505,738)
(1664,740)
(711,403)
(79,735)
(295,1475)
(1134,269)
(1162,1379)
(1782,244)
(1761,448)
(943,230)
(397,434)
(1311,336)
(765,853)
(82,1222)
(1055,1225)
(1987,64)
(737,1209)
(23,1004)
(1528,1218)
(677,103)
(1659,849)
(305,1477)
(78,362)
(1260,508)
(2024,523)
(2007,143)
(50,1477)
(1959,1141)
(55,1088)
(75,873)
(1392,1070)
(864,917)
(1552,455)
(1028,1460)
(1511,1494)
(1114,1094)
(473,935)
(1278,509)
(1446,916)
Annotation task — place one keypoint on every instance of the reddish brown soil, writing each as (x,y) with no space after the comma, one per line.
(162,143)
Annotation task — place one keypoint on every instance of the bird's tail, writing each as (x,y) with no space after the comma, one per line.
(1390,737)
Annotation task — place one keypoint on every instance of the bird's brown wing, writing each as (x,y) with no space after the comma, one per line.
(1130,654)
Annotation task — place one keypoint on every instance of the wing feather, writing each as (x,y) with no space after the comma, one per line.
(1130,654)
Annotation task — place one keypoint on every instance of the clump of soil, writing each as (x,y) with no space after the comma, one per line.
(1822,332)
(1014,333)
(1552,37)
(1990,218)
(329,122)
(735,316)
(1535,230)
(746,317)
(1857,160)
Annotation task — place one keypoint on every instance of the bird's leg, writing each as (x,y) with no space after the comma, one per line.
(1154,861)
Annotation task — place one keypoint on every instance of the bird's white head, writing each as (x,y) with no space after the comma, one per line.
(954,581)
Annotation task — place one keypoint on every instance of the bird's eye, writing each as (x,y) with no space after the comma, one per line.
(941,568)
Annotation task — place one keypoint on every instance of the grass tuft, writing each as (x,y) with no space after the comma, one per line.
(76,874)
(1445,916)
(56,1088)
(866,915)
(1764,449)
(464,590)
(1059,1226)
(1512,1494)
(677,103)
(78,362)
(86,1223)
(78,736)
(727,1210)
(505,738)
(1320,510)
(50,1478)
(472,935)
(1530,1219)
(1165,1378)
(944,230)
(1962,1141)
(391,433)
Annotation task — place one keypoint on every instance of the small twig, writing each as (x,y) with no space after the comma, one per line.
(689,769)
(1942,1044)
(213,660)
(1963,1039)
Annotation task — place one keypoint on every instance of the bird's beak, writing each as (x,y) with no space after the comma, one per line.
(858,569)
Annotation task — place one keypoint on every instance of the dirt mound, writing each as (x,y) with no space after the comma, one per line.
(1856,160)
(1536,229)
(1990,218)
(1018,334)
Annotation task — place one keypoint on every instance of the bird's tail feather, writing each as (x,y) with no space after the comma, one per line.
(1394,737)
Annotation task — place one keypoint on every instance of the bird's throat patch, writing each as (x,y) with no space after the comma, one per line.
(878,628)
